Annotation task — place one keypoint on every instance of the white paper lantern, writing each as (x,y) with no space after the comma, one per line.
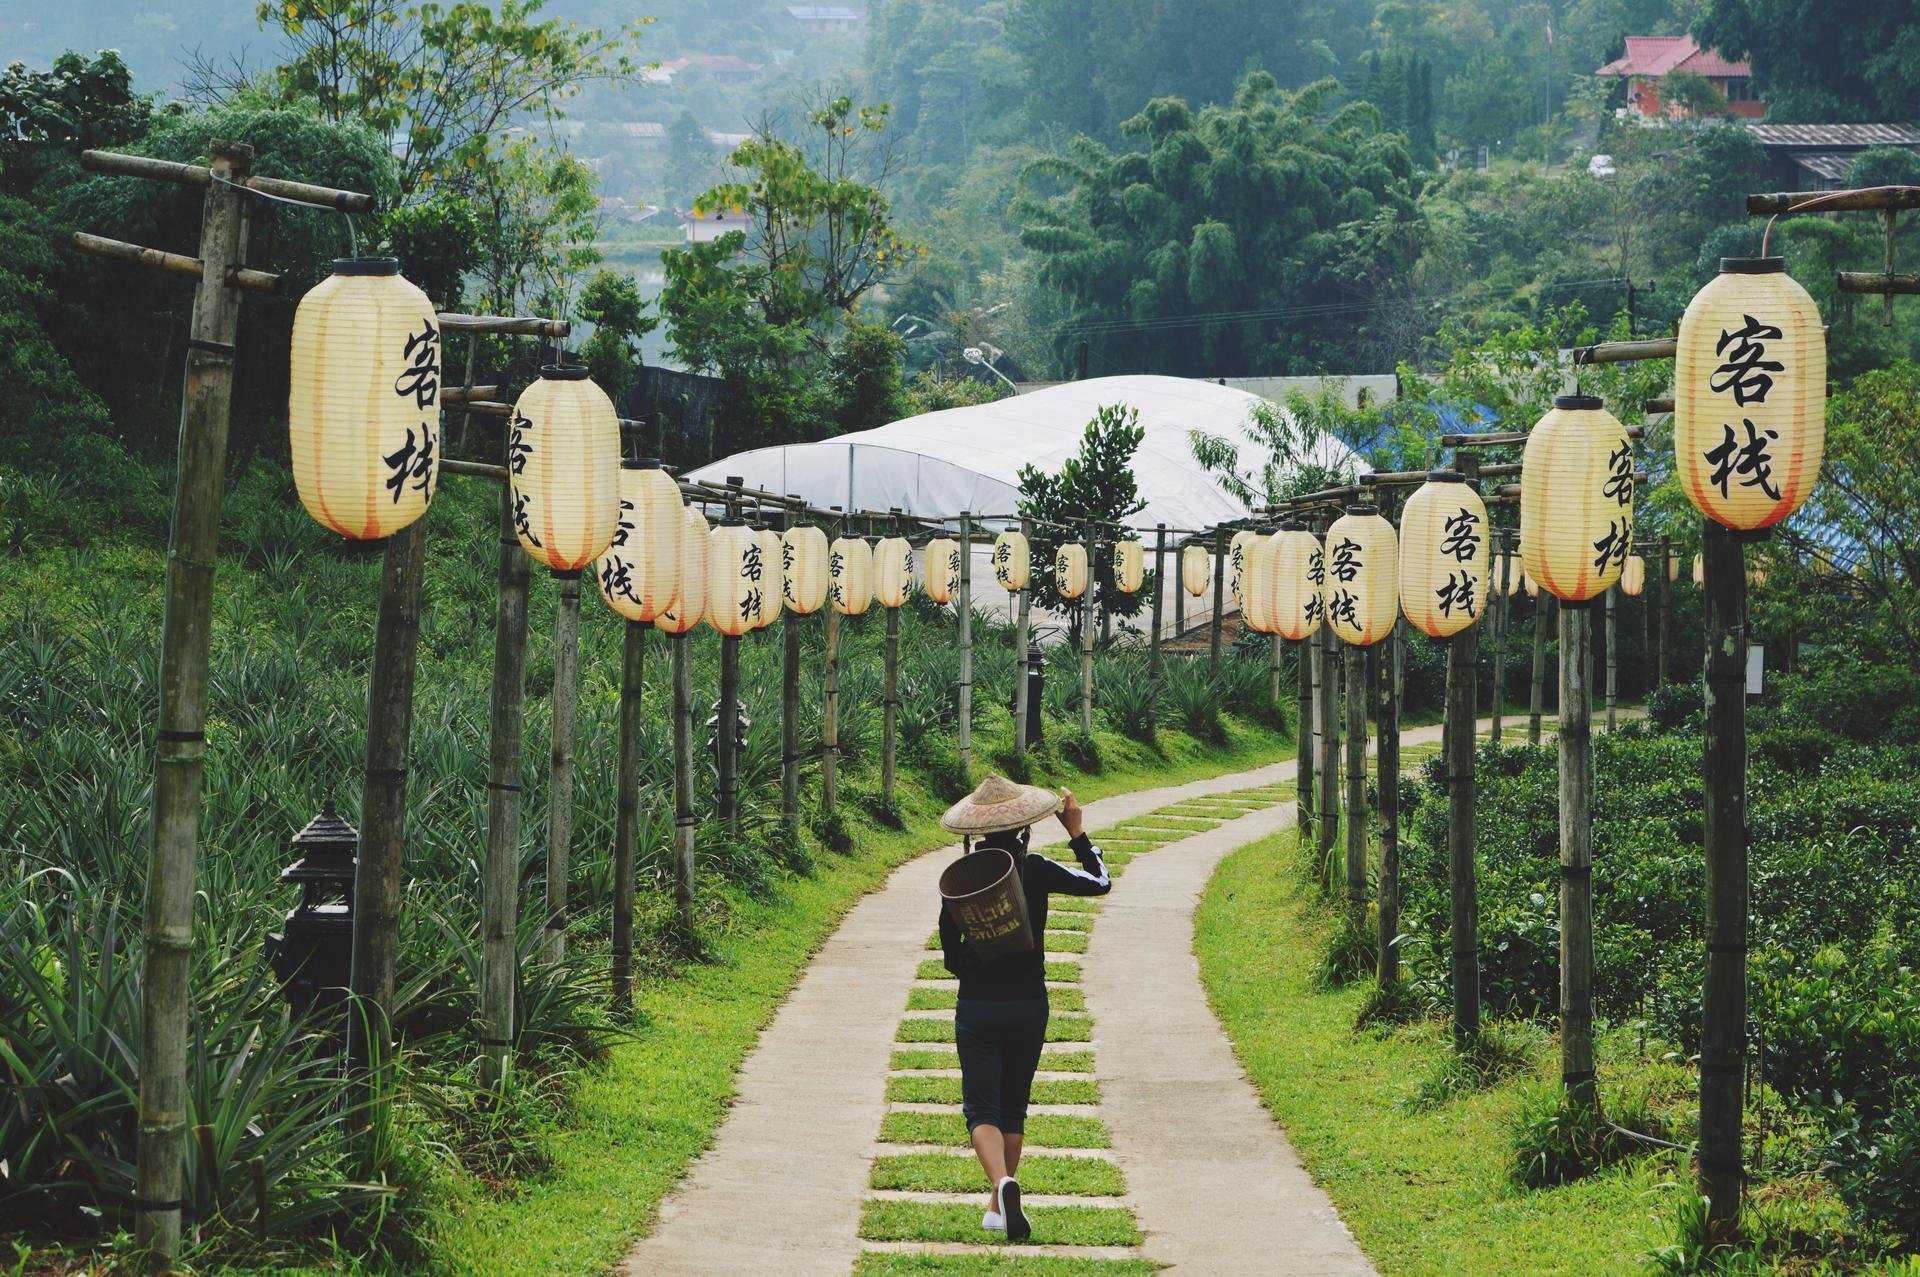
(737,579)
(1237,565)
(850,575)
(1196,569)
(363,408)
(1362,567)
(1070,570)
(1012,560)
(1576,500)
(773,557)
(690,607)
(563,463)
(1633,578)
(942,557)
(1295,563)
(892,571)
(1443,555)
(639,574)
(1257,584)
(1129,566)
(803,557)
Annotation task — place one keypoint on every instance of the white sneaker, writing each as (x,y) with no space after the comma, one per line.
(992,1222)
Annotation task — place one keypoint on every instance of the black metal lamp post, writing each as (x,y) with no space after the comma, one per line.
(313,956)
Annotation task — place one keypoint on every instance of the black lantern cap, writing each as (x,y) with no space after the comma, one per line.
(327,846)
(733,521)
(1585,403)
(1752,265)
(1292,525)
(644,463)
(1363,507)
(565,372)
(366,266)
(1445,476)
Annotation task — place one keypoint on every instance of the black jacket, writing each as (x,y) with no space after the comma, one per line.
(1024,975)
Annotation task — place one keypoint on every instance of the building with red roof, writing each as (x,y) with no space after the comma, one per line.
(1650,57)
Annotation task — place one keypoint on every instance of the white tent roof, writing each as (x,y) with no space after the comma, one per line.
(941,463)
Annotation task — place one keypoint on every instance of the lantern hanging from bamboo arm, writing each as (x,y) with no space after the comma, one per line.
(1443,555)
(1531,586)
(563,463)
(1362,569)
(639,574)
(1576,500)
(736,578)
(1633,577)
(892,571)
(1257,610)
(690,607)
(1012,560)
(1237,567)
(1129,566)
(363,407)
(1295,563)
(850,575)
(942,569)
(803,563)
(772,558)
(1749,395)
(1070,570)
(1196,569)
(1699,570)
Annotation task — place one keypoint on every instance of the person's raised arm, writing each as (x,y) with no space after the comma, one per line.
(1090,878)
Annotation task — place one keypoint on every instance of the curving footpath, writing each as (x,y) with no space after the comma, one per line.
(1162,1154)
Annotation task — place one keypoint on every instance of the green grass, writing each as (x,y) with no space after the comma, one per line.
(1061,972)
(1068,1028)
(959,1173)
(946,1090)
(945,998)
(881,1264)
(1043,1130)
(1425,1193)
(1072,942)
(902,1221)
(935,1058)
(1068,920)
(1074,904)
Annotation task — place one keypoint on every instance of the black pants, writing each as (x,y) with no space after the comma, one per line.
(999,1044)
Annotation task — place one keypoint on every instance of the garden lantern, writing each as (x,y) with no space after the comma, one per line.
(1196,569)
(1362,571)
(1633,577)
(313,955)
(942,569)
(892,571)
(773,555)
(1070,570)
(1515,576)
(1443,555)
(1129,566)
(639,574)
(1012,560)
(1256,582)
(690,605)
(1295,564)
(1749,395)
(363,408)
(1237,566)
(736,578)
(850,575)
(1576,500)
(1528,584)
(564,468)
(1699,569)
(803,563)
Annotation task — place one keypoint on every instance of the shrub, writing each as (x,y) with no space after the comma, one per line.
(1352,950)
(1125,696)
(1194,699)
(1556,1141)
(1676,705)
(1876,1166)
(1083,751)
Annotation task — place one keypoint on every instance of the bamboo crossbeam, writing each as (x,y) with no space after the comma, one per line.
(1623,352)
(479,469)
(505,325)
(1861,281)
(194,175)
(484,407)
(254,281)
(460,396)
(1836,201)
(1507,437)
(1511,491)
(1653,407)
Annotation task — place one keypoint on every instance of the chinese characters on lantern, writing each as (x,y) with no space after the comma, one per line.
(1745,373)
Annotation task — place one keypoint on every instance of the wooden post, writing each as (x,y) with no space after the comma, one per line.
(889,704)
(180,753)
(1502,610)
(1543,607)
(1723,1049)
(1219,597)
(1328,808)
(1576,856)
(1613,660)
(725,725)
(685,823)
(1303,738)
(1088,610)
(379,872)
(965,600)
(1153,634)
(1463,887)
(500,878)
(1354,659)
(1179,595)
(790,726)
(1663,632)
(830,720)
(1387,724)
(626,830)
(566,704)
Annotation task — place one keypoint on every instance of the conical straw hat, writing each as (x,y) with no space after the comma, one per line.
(999,804)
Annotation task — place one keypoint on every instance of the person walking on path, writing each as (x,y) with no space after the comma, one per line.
(1000,1020)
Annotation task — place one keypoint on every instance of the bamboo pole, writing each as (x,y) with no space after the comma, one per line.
(1724,1006)
(1463,889)
(1303,740)
(965,601)
(626,834)
(1179,598)
(142,166)
(1354,661)
(1153,634)
(1219,598)
(1502,610)
(1613,660)
(1328,807)
(378,871)
(1869,198)
(790,726)
(1663,632)
(565,705)
(726,723)
(889,704)
(830,720)
(685,824)
(1576,857)
(180,754)
(253,281)
(500,879)
(1088,611)
(1543,607)
(1387,720)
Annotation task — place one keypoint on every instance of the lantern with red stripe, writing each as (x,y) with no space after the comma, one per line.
(1576,500)
(563,463)
(690,605)
(639,574)
(1443,555)
(1362,569)
(1295,563)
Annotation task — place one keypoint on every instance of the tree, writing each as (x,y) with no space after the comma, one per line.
(612,303)
(539,216)
(1815,64)
(692,161)
(1690,95)
(1097,484)
(1294,452)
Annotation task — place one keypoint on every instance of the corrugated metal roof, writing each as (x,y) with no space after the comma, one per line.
(1835,136)
(1832,167)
